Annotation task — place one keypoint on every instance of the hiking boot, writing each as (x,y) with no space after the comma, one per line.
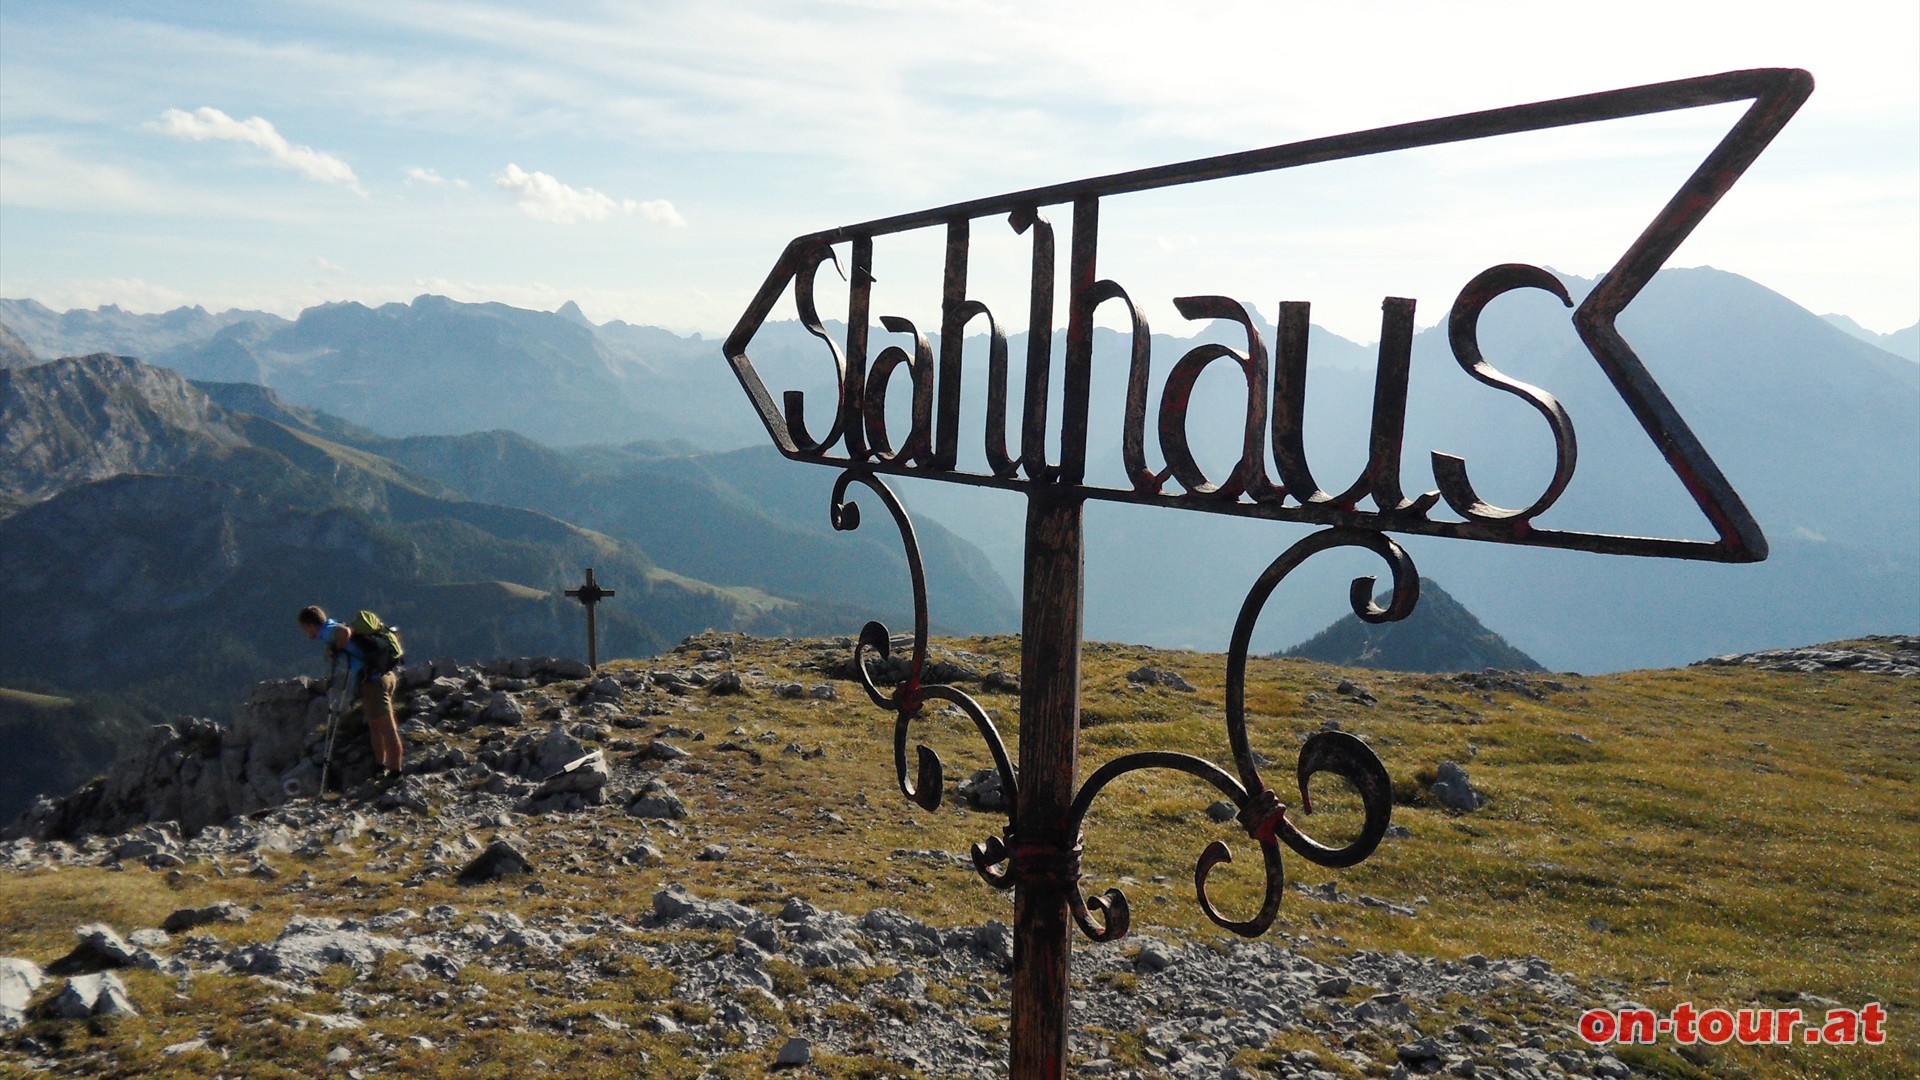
(376,784)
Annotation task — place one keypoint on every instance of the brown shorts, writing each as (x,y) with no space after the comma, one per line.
(376,695)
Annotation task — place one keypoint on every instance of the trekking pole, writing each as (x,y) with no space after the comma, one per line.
(333,722)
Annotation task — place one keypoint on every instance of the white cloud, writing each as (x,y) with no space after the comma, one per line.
(544,198)
(328,265)
(203,124)
(660,212)
(432,178)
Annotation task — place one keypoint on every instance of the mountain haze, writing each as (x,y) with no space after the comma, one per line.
(1817,429)
(111,329)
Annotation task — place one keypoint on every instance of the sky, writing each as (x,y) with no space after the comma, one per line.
(650,160)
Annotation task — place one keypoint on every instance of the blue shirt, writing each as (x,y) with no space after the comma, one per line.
(356,657)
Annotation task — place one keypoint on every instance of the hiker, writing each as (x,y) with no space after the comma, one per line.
(375,686)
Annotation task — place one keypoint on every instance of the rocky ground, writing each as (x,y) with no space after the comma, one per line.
(531,771)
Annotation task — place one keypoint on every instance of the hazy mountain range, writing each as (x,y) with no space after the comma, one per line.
(162,533)
(1902,343)
(1817,429)
(433,367)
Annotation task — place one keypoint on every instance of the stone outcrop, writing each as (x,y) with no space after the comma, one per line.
(1454,791)
(98,994)
(195,772)
(1889,654)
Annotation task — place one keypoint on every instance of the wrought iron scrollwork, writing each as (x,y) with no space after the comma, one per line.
(908,699)
(1260,810)
(1106,916)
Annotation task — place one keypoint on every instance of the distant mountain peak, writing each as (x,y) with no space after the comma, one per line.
(571,312)
(1440,636)
(1902,343)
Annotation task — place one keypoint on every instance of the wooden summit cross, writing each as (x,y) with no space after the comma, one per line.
(1038,853)
(589,594)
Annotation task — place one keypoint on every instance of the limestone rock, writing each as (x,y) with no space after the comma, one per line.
(1887,654)
(892,927)
(661,750)
(643,854)
(19,981)
(1154,956)
(196,772)
(679,907)
(306,947)
(584,775)
(558,668)
(503,710)
(556,750)
(656,800)
(499,860)
(995,939)
(1453,790)
(983,790)
(100,994)
(796,1052)
(1169,679)
(102,946)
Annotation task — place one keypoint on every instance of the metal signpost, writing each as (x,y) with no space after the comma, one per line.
(1038,854)
(589,594)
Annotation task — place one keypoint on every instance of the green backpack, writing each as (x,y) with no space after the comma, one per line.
(380,647)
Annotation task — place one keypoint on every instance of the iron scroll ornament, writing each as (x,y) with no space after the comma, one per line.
(1259,808)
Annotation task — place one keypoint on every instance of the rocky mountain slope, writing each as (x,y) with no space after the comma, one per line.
(744,518)
(696,864)
(13,351)
(74,422)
